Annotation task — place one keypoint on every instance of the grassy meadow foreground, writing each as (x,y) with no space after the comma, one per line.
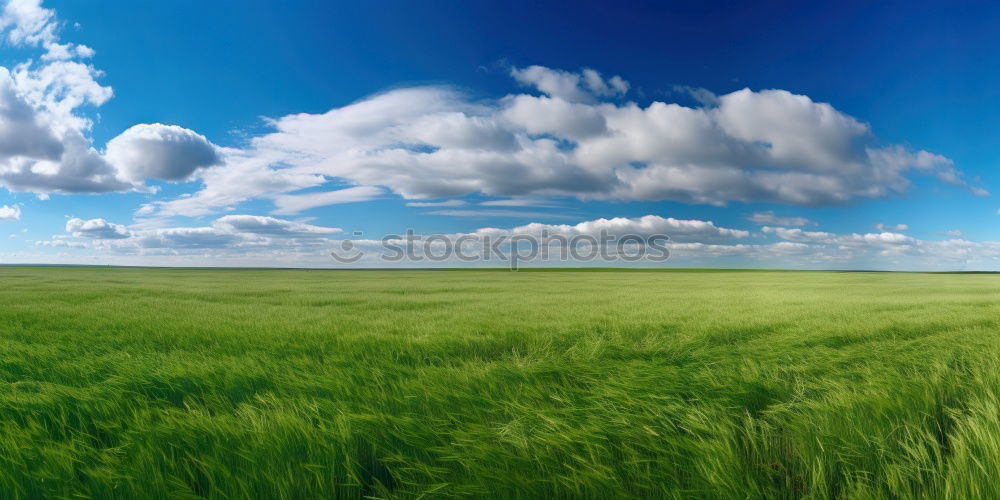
(132,383)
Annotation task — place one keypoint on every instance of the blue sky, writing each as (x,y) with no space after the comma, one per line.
(193,133)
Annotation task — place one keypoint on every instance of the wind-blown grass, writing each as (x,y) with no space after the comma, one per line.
(129,383)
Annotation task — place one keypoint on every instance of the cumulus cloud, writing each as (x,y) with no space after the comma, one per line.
(25,22)
(574,137)
(585,86)
(233,233)
(883,240)
(249,235)
(157,151)
(569,135)
(45,143)
(770,219)
(255,224)
(21,131)
(892,228)
(226,235)
(694,241)
(796,234)
(96,229)
(677,229)
(180,238)
(435,142)
(556,116)
(60,243)
(258,240)
(10,212)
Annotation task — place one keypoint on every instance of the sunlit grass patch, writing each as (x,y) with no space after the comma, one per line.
(239,383)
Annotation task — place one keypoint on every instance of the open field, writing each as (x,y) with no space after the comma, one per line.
(282,384)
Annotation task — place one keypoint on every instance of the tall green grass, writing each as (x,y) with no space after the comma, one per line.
(128,383)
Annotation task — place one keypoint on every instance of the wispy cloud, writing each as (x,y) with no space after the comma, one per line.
(289,204)
(770,219)
(448,203)
(497,213)
(519,202)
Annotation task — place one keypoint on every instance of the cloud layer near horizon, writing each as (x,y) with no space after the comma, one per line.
(235,238)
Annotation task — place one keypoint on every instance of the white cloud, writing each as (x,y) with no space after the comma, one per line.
(494,213)
(236,234)
(556,116)
(677,229)
(266,241)
(799,133)
(248,237)
(61,244)
(798,234)
(45,147)
(22,132)
(270,226)
(447,203)
(45,144)
(157,151)
(518,202)
(179,238)
(434,142)
(771,219)
(882,240)
(817,249)
(96,229)
(893,228)
(295,203)
(27,23)
(703,96)
(10,213)
(240,178)
(573,87)
(576,139)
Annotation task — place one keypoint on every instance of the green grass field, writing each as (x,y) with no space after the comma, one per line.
(129,383)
